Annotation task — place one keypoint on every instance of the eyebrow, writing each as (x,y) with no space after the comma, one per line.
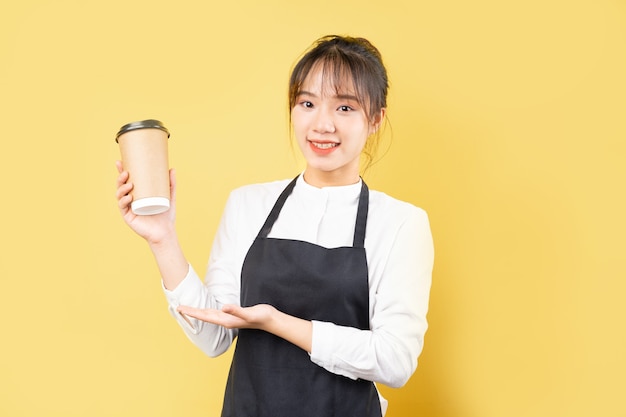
(339,96)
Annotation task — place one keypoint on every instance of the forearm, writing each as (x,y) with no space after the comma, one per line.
(170,260)
(293,329)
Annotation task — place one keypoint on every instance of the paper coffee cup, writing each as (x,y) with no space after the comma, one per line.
(143,146)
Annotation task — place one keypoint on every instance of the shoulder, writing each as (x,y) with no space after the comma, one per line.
(397,228)
(383,206)
(391,220)
(247,208)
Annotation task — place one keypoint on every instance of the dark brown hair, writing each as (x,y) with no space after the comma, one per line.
(341,58)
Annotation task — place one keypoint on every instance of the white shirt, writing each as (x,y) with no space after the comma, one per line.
(400,256)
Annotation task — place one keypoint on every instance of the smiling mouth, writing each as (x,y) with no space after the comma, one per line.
(324,145)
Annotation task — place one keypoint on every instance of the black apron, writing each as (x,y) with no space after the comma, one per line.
(270,377)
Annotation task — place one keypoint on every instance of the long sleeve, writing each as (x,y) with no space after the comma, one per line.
(388,352)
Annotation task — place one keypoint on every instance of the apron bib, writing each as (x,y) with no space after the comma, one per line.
(270,377)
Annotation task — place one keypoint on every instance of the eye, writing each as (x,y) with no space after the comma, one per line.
(345,108)
(306,104)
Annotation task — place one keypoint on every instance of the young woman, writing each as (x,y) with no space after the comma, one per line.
(323,283)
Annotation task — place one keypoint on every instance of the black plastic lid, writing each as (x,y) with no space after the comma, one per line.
(143,124)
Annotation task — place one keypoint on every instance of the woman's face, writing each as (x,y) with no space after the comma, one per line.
(331,129)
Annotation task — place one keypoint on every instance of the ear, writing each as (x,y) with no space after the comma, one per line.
(378,121)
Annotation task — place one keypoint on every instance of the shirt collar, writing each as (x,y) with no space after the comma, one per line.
(336,193)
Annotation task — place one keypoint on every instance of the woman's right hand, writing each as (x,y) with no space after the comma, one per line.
(153,228)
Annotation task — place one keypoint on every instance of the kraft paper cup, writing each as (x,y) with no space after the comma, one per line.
(143,146)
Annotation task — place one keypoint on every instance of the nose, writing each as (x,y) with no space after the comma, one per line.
(324,122)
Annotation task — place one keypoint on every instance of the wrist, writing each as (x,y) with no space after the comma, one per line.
(273,321)
(293,329)
(167,238)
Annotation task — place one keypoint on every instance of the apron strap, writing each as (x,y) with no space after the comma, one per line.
(361,216)
(269,222)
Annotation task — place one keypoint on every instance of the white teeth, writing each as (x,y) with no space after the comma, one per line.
(324,145)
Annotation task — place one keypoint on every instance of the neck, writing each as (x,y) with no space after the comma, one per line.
(321,179)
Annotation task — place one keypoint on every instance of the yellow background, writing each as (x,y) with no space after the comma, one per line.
(508,122)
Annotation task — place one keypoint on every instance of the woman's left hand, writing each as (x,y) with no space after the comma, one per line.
(232,316)
(261,317)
